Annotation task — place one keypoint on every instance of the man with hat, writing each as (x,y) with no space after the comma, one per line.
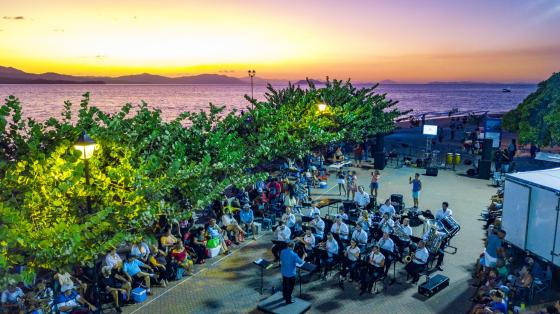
(247,219)
(69,300)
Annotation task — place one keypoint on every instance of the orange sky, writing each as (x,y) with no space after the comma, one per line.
(407,41)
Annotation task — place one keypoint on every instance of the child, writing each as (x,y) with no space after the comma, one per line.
(416,188)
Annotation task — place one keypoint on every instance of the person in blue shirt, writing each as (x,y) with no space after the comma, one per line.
(289,259)
(246,217)
(416,188)
(133,268)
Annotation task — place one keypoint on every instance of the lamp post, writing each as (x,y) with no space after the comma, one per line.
(251,75)
(86,146)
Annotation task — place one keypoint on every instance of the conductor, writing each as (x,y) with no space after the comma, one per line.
(288,260)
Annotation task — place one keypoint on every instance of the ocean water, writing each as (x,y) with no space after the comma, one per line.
(44,101)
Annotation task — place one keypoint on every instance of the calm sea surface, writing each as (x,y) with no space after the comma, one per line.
(44,101)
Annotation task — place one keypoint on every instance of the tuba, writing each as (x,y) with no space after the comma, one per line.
(433,243)
(399,232)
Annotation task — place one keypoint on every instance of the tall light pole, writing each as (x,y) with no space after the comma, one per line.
(251,75)
(86,146)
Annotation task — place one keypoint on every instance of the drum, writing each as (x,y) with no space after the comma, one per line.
(449,159)
(457,159)
(450,226)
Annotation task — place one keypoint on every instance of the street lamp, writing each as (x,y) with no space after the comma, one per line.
(322,107)
(86,146)
(251,75)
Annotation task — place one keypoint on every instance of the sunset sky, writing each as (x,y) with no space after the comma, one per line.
(406,41)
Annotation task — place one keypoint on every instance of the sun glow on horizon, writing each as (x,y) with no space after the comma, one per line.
(435,40)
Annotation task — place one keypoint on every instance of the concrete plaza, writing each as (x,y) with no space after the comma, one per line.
(230,284)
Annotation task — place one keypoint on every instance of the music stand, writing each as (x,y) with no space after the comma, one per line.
(307,267)
(263,264)
(306,219)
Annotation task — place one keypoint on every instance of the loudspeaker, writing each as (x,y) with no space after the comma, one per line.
(379,160)
(433,285)
(487,149)
(432,171)
(484,167)
(379,142)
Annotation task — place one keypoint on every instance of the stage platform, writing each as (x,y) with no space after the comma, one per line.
(275,304)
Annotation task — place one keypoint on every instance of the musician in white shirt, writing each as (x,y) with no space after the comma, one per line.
(387,245)
(319,225)
(308,241)
(387,224)
(350,262)
(406,227)
(282,234)
(340,228)
(288,218)
(375,265)
(328,259)
(312,210)
(419,261)
(365,220)
(387,208)
(360,236)
(444,211)
(439,253)
(361,198)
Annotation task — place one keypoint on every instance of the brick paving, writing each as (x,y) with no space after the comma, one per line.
(230,284)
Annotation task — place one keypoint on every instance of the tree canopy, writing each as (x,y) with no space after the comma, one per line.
(145,167)
(537,118)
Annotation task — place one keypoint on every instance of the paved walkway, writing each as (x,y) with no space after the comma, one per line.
(230,284)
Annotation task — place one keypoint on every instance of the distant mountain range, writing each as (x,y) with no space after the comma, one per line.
(9,75)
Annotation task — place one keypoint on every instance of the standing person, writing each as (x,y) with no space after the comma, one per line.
(289,259)
(416,188)
(506,160)
(341,183)
(533,150)
(512,149)
(374,185)
(352,185)
(358,154)
(498,160)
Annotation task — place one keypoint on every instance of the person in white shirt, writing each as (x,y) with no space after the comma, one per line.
(350,262)
(403,244)
(282,234)
(360,236)
(340,228)
(406,226)
(387,246)
(375,265)
(418,263)
(387,208)
(444,211)
(288,218)
(438,252)
(365,220)
(312,210)
(319,226)
(112,258)
(327,259)
(231,225)
(361,198)
(308,241)
(387,224)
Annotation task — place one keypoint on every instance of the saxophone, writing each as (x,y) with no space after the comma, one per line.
(433,242)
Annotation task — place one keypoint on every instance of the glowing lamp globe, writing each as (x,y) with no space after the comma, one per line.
(322,107)
(85,145)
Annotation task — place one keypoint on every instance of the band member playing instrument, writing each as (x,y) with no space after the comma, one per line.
(403,244)
(406,226)
(438,237)
(350,262)
(289,219)
(312,210)
(365,220)
(308,242)
(361,198)
(444,211)
(387,208)
(319,225)
(328,259)
(387,224)
(419,261)
(387,246)
(360,236)
(282,234)
(375,265)
(340,229)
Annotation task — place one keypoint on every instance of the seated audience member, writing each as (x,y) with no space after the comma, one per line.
(42,297)
(180,256)
(231,225)
(113,258)
(215,232)
(115,285)
(282,234)
(198,244)
(491,282)
(69,280)
(495,305)
(247,220)
(141,250)
(522,284)
(133,268)
(69,301)
(12,298)
(167,240)
(158,261)
(502,270)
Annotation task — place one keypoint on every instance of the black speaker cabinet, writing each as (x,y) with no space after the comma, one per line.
(379,142)
(432,171)
(433,285)
(379,160)
(487,149)
(484,167)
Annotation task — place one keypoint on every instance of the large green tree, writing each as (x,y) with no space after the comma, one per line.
(537,118)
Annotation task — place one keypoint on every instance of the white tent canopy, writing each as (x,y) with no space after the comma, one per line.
(531,212)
